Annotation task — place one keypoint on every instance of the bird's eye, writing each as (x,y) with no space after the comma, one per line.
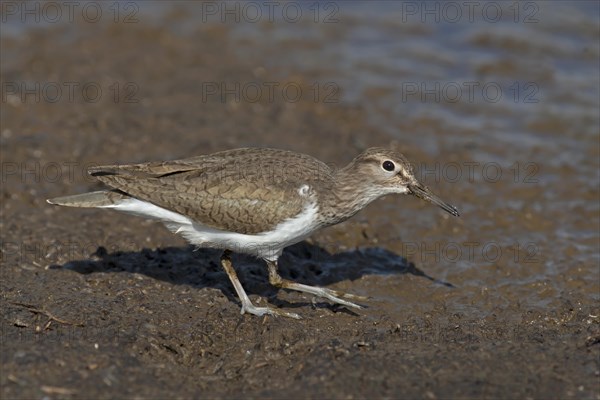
(388,165)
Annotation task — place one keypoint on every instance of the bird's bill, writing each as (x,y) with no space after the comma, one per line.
(424,193)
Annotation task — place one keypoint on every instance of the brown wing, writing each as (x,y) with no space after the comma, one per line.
(243,190)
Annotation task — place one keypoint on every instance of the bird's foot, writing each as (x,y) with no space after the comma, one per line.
(338,297)
(339,293)
(335,296)
(260,311)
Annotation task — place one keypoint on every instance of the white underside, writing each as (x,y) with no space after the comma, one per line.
(267,245)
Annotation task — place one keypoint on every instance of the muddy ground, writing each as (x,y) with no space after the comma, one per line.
(101,305)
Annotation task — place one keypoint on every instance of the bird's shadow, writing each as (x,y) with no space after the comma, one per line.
(303,263)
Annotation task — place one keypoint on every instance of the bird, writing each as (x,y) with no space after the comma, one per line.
(255,201)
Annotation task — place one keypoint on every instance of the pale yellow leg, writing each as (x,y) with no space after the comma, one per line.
(334,295)
(247,305)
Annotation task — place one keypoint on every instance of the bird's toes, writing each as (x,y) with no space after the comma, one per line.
(345,295)
(346,303)
(260,311)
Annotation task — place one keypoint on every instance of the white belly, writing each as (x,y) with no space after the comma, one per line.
(267,245)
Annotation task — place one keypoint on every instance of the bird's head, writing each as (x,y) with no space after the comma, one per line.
(387,171)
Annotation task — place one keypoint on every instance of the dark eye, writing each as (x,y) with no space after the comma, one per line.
(388,165)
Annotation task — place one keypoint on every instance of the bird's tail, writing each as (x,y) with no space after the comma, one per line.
(102,198)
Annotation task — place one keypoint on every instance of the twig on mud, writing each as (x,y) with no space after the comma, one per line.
(51,317)
(57,390)
(592,340)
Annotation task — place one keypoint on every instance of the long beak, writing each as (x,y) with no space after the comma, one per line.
(424,193)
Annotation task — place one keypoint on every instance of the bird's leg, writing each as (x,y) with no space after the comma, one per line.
(247,305)
(334,295)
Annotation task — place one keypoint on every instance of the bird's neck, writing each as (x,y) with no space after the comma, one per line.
(348,195)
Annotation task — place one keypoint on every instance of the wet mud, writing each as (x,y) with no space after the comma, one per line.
(97,304)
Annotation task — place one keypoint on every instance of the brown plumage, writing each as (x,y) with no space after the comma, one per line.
(247,190)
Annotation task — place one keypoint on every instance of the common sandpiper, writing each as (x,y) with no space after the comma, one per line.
(255,201)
